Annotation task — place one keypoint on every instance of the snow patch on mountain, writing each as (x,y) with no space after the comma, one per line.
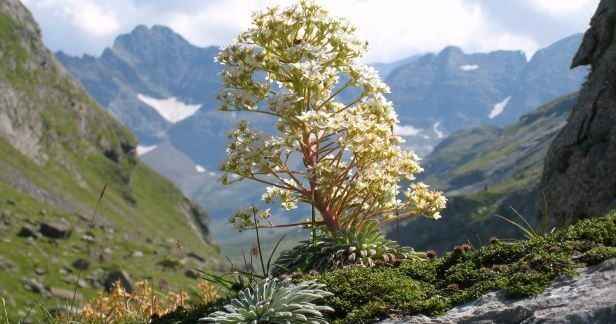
(145,149)
(437,131)
(171,108)
(406,130)
(469,67)
(499,108)
(201,169)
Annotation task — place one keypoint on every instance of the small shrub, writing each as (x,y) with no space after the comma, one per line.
(120,306)
(274,301)
(366,247)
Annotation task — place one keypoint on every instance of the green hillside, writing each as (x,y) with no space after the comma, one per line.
(58,150)
(485,171)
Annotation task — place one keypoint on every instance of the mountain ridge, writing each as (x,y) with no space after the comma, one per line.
(462,90)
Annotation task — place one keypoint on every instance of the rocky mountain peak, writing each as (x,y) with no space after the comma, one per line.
(578,178)
(598,38)
(143,44)
(450,53)
(156,35)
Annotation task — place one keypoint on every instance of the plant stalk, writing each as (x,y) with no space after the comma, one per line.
(254,217)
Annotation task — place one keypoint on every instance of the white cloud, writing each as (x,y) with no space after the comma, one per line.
(561,7)
(406,130)
(86,15)
(506,41)
(394,29)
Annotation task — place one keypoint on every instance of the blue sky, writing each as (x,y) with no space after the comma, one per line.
(394,28)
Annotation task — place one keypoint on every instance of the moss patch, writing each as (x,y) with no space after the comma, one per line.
(521,269)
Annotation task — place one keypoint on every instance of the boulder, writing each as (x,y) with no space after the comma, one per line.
(81,264)
(589,297)
(192,274)
(27,231)
(579,177)
(6,265)
(60,229)
(35,286)
(111,278)
(196,256)
(5,219)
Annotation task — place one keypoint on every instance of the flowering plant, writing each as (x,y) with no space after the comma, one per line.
(341,156)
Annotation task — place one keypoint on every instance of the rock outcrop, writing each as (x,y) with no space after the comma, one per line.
(587,298)
(579,178)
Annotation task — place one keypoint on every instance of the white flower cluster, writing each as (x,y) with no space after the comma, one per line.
(287,199)
(422,201)
(289,65)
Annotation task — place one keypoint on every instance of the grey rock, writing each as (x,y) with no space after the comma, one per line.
(34,286)
(81,264)
(5,218)
(192,274)
(589,298)
(82,283)
(70,279)
(195,256)
(60,229)
(116,276)
(88,238)
(27,231)
(170,264)
(6,264)
(579,175)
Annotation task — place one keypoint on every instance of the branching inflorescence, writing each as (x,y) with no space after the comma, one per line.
(301,67)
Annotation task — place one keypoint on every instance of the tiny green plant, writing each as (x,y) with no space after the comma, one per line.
(5,313)
(274,301)
(366,247)
(524,226)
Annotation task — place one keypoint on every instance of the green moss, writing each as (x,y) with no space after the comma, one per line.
(599,254)
(524,284)
(520,269)
(371,293)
